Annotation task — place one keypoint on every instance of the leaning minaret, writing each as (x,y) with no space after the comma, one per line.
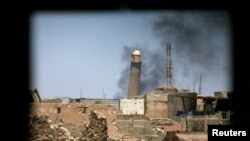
(134,78)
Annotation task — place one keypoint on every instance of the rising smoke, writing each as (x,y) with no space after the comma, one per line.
(152,70)
(201,43)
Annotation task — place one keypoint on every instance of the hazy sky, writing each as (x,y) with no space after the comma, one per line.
(85,50)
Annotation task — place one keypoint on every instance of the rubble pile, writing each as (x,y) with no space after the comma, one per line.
(96,130)
(75,131)
(40,129)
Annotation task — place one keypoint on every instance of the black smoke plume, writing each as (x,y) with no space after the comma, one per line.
(152,70)
(201,43)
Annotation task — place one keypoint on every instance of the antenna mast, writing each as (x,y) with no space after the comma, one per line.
(81,93)
(169,68)
(200,85)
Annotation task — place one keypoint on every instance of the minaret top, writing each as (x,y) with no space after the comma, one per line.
(137,52)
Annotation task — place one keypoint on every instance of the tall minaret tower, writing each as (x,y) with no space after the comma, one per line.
(134,78)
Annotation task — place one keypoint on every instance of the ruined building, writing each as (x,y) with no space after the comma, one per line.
(166,113)
(134,78)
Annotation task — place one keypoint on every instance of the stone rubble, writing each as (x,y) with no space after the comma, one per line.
(96,130)
(41,129)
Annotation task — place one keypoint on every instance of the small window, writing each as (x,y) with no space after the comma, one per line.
(58,110)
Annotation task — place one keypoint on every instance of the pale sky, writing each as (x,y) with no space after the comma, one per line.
(82,50)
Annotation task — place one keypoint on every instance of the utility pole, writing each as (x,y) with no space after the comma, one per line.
(194,86)
(200,85)
(81,93)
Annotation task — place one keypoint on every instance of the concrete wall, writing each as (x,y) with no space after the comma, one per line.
(173,110)
(181,102)
(198,123)
(156,105)
(132,106)
(113,102)
(166,105)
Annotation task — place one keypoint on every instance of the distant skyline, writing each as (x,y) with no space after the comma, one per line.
(84,51)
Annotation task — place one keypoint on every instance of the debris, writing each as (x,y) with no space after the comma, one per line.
(96,130)
(40,129)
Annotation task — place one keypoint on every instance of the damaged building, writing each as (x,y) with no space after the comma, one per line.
(164,113)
